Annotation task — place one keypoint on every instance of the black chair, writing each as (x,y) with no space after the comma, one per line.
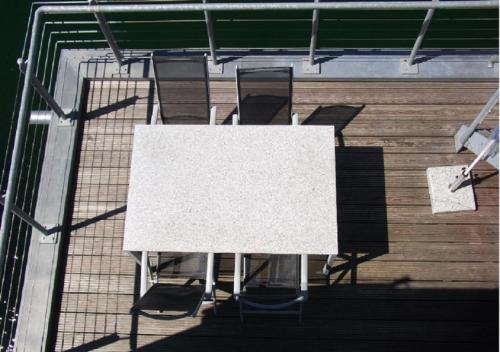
(264,95)
(182,89)
(271,285)
(180,286)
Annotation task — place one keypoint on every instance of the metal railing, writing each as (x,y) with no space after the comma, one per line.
(99,11)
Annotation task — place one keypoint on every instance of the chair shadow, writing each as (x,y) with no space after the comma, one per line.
(334,115)
(260,110)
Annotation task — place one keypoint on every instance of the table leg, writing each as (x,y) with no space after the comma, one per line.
(303,273)
(144,273)
(210,276)
(237,275)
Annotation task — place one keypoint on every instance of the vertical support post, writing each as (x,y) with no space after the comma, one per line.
(210,32)
(421,35)
(479,118)
(144,273)
(108,34)
(39,87)
(314,35)
(237,275)
(303,272)
(210,276)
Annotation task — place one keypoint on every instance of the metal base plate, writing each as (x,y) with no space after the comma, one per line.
(406,69)
(309,69)
(219,68)
(442,199)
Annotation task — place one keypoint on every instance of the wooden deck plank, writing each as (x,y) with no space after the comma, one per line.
(405,279)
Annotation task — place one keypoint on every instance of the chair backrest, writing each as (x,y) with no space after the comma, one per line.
(264,95)
(273,271)
(182,265)
(182,88)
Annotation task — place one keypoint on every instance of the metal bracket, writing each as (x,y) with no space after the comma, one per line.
(121,70)
(49,239)
(406,69)
(215,69)
(492,61)
(309,69)
(71,117)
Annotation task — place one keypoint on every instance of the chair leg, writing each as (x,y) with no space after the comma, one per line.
(200,302)
(214,299)
(300,312)
(241,312)
(329,263)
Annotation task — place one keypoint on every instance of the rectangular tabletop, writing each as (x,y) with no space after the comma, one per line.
(232,189)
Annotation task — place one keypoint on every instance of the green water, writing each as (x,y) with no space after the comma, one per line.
(14,19)
(274,29)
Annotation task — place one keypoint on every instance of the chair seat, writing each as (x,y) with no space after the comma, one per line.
(170,297)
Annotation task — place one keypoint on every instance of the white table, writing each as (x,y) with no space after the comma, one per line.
(232,189)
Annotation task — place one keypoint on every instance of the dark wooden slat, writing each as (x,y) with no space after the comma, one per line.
(405,279)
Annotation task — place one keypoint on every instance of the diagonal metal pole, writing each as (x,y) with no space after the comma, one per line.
(27,218)
(314,35)
(108,34)
(39,87)
(421,35)
(210,32)
(479,118)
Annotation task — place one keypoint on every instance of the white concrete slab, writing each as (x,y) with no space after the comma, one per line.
(442,199)
(230,189)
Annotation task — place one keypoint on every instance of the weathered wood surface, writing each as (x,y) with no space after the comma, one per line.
(405,279)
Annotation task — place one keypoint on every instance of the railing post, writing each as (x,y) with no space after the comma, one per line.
(421,35)
(106,30)
(39,87)
(314,35)
(210,32)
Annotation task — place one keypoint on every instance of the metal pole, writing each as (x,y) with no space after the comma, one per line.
(144,274)
(210,32)
(479,118)
(465,173)
(108,34)
(28,219)
(22,122)
(355,5)
(421,35)
(314,35)
(209,282)
(237,275)
(303,273)
(39,87)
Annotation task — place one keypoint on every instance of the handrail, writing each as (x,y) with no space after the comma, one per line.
(355,5)
(23,115)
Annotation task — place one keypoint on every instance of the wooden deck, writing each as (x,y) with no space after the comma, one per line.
(406,280)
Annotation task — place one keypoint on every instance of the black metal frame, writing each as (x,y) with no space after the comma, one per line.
(264,69)
(166,58)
